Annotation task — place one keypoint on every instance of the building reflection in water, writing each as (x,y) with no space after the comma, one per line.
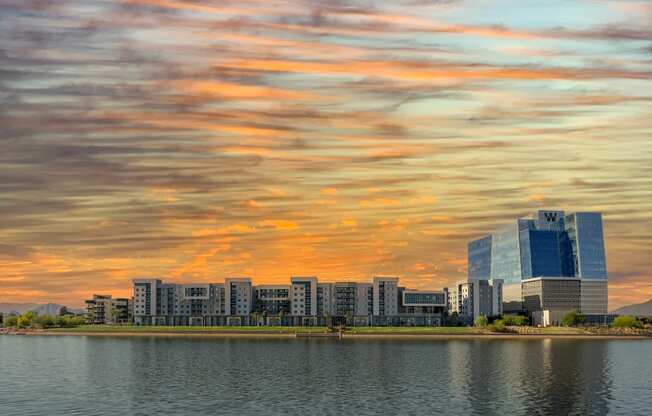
(549,376)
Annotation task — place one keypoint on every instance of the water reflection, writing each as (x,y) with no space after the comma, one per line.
(108,376)
(538,376)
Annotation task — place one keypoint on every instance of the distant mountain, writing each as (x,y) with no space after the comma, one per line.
(17,307)
(48,309)
(640,309)
(40,309)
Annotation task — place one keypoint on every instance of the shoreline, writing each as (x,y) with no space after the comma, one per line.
(346,335)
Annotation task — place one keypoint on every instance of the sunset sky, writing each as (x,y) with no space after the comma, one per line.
(195,140)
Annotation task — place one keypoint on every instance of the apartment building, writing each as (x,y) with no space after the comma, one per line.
(474,297)
(238,295)
(385,296)
(272,300)
(104,309)
(304,301)
(303,296)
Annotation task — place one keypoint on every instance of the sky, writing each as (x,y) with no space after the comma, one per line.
(196,140)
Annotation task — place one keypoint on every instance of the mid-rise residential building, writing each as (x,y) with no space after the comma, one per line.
(475,297)
(304,296)
(238,295)
(104,309)
(272,299)
(304,301)
(385,295)
(326,305)
(547,245)
(364,300)
(345,299)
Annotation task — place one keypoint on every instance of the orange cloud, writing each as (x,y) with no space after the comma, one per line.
(328,191)
(280,225)
(536,198)
(432,72)
(238,91)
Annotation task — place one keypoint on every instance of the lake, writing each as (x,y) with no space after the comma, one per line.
(83,375)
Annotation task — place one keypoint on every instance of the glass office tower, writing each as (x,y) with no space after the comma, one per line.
(584,231)
(550,244)
(479,257)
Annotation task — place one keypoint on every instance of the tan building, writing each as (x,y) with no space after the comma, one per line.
(103,309)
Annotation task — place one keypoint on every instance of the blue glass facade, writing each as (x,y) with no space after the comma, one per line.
(550,245)
(540,254)
(479,258)
(505,255)
(584,230)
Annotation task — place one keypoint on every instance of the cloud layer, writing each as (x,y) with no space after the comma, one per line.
(192,140)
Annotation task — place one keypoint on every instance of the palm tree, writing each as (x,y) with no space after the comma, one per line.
(281,315)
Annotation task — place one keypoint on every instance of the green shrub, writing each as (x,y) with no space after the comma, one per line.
(573,318)
(515,320)
(68,321)
(23,322)
(481,321)
(26,320)
(46,321)
(498,326)
(11,321)
(626,321)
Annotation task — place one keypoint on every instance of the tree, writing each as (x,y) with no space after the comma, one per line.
(24,321)
(63,311)
(573,318)
(349,318)
(453,319)
(11,321)
(626,321)
(328,320)
(481,321)
(116,316)
(46,321)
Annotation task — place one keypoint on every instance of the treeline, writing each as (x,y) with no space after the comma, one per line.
(32,320)
(575,318)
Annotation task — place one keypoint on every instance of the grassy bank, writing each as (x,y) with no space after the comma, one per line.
(523,331)
(188,329)
(466,331)
(404,330)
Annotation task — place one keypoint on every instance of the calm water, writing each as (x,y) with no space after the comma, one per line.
(165,376)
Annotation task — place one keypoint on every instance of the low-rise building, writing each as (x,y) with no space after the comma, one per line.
(552,294)
(548,299)
(104,309)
